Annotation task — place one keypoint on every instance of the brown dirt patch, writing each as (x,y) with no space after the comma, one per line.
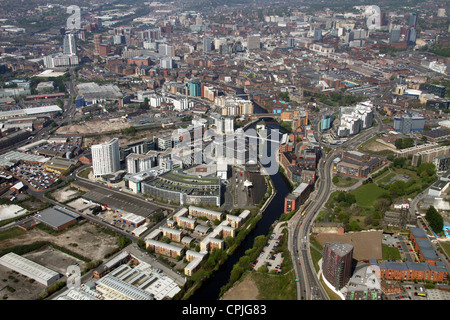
(246,289)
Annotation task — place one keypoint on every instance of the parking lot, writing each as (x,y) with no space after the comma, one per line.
(34,175)
(269,255)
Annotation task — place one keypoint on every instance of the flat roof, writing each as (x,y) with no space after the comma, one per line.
(56,216)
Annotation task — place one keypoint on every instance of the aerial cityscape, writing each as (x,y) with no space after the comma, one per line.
(225,150)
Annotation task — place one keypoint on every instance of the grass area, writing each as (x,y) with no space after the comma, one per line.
(11,233)
(386,178)
(275,287)
(446,247)
(390,253)
(316,255)
(85,173)
(367,194)
(343,182)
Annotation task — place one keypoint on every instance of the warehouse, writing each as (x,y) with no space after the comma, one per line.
(57,218)
(29,268)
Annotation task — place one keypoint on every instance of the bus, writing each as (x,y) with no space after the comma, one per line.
(420,294)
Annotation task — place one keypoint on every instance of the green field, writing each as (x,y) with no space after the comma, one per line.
(367,194)
(390,253)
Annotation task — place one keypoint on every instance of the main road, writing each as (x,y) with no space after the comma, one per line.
(308,284)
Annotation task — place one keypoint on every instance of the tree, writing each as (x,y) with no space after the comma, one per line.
(398,188)
(434,219)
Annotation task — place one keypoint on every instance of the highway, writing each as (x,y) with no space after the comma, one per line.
(308,285)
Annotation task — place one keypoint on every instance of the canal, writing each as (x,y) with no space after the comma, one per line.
(211,288)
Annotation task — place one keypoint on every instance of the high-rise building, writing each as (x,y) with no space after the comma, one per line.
(105,157)
(207,45)
(411,35)
(69,44)
(253,42)
(317,34)
(337,263)
(97,42)
(413,19)
(396,34)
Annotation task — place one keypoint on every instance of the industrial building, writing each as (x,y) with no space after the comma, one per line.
(57,218)
(29,268)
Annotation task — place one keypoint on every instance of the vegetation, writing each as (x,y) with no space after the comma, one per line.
(390,253)
(403,143)
(434,219)
(343,182)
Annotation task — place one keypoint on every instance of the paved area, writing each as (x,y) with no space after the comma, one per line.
(269,255)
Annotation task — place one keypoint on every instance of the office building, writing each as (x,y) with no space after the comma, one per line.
(105,158)
(337,263)
(97,43)
(69,44)
(413,20)
(253,42)
(409,123)
(411,36)
(60,60)
(396,34)
(141,162)
(207,45)
(318,34)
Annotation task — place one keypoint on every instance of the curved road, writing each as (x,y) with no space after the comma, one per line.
(308,284)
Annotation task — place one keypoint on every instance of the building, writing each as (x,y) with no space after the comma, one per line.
(105,157)
(409,123)
(108,266)
(69,44)
(29,269)
(207,45)
(57,218)
(253,42)
(206,213)
(355,119)
(410,271)
(140,162)
(164,249)
(60,60)
(337,263)
(184,189)
(293,200)
(356,164)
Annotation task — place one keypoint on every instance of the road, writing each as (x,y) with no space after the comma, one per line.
(308,285)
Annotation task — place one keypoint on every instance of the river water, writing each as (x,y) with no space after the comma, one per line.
(211,288)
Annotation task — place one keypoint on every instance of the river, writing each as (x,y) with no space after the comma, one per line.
(211,288)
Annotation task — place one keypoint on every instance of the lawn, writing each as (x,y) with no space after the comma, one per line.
(367,194)
(390,253)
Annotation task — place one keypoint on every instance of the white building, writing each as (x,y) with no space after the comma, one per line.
(355,119)
(29,268)
(105,158)
(140,162)
(60,60)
